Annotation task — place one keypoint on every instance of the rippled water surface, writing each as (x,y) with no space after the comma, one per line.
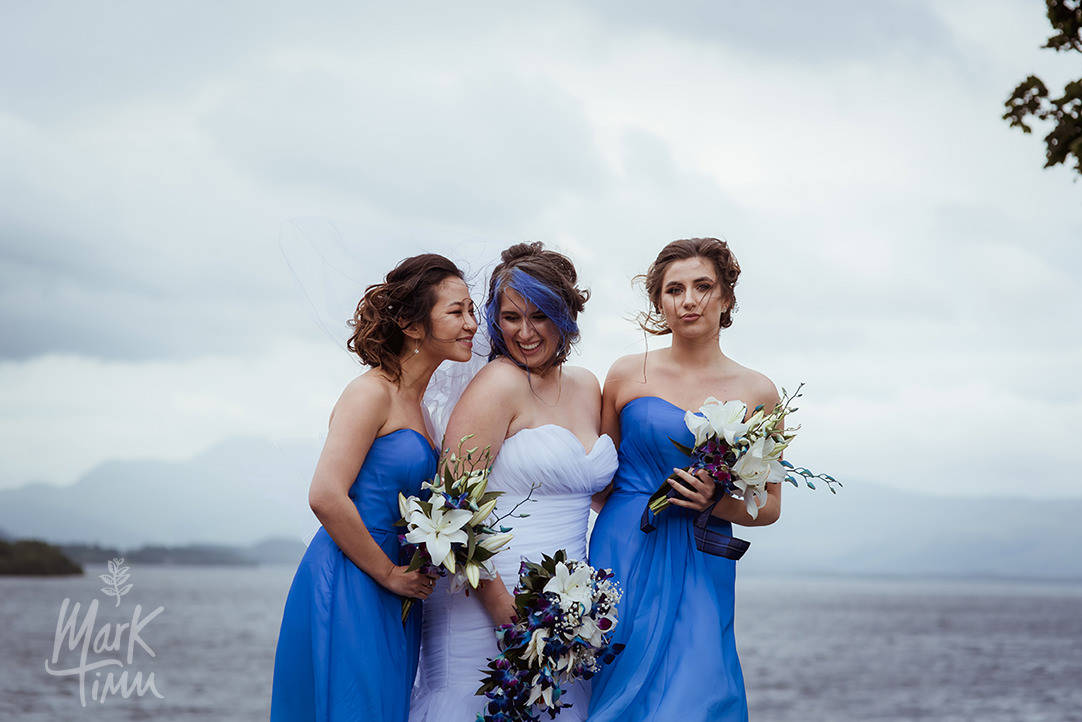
(834,650)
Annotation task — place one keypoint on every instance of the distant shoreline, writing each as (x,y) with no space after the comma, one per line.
(35,557)
(268,551)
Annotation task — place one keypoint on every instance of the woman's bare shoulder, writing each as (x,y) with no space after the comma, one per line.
(758,388)
(370,393)
(581,382)
(629,368)
(580,375)
(498,376)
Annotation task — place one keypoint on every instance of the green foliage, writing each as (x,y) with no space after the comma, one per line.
(1031,97)
(35,558)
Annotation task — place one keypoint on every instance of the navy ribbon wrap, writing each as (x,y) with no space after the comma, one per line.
(709,541)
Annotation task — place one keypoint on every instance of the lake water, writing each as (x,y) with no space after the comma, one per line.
(838,650)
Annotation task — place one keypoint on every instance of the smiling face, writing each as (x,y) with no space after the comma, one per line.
(691,298)
(452,322)
(532,339)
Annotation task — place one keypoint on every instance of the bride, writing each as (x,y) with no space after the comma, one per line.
(541,420)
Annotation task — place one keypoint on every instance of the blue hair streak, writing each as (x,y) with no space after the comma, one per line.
(544,298)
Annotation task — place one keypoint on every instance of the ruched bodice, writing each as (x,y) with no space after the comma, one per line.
(396,462)
(458,637)
(565,475)
(343,652)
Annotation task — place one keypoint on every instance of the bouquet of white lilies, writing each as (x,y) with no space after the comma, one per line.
(742,456)
(565,615)
(453,531)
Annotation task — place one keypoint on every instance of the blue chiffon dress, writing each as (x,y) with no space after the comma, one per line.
(676,615)
(343,652)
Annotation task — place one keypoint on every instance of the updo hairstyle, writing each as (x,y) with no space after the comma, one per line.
(406,296)
(547,280)
(710,249)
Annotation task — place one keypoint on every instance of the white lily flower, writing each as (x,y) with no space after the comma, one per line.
(482,513)
(494,542)
(754,498)
(758,466)
(590,632)
(439,532)
(699,426)
(535,648)
(572,587)
(479,490)
(544,694)
(403,506)
(726,419)
(473,574)
(753,466)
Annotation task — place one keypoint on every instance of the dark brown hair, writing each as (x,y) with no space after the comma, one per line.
(406,296)
(710,249)
(546,279)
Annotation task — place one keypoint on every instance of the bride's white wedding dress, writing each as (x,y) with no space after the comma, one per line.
(457,633)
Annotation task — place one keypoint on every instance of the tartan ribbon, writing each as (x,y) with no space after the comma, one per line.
(707,540)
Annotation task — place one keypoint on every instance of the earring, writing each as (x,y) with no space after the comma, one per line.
(418,349)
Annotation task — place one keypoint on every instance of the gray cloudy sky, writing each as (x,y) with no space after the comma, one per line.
(904,253)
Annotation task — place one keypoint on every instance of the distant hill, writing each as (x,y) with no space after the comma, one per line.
(235,494)
(245,491)
(870,529)
(35,558)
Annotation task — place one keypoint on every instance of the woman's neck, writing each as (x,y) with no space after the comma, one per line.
(547,385)
(417,371)
(696,352)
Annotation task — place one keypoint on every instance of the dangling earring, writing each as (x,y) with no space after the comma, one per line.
(417,350)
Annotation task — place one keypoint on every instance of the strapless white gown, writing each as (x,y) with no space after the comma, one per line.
(457,637)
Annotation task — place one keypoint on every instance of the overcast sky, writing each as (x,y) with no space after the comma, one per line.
(904,253)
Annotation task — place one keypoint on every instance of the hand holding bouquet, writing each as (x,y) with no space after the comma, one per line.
(453,531)
(565,616)
(741,456)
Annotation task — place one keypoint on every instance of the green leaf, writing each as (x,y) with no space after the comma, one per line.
(686,449)
(416,562)
(471,542)
(489,496)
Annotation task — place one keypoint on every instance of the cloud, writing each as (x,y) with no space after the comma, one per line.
(493,146)
(70,58)
(817,34)
(62,415)
(903,252)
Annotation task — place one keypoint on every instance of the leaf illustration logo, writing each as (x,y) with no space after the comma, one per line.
(116,577)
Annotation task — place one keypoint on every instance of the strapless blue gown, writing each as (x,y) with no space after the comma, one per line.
(676,615)
(343,652)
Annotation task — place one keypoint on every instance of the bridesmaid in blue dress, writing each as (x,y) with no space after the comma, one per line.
(343,651)
(676,615)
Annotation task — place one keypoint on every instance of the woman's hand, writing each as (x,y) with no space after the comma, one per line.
(415,584)
(696,491)
(497,601)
